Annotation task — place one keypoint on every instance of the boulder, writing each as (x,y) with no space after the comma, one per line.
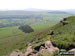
(64,22)
(64,19)
(50,47)
(72,50)
(51,32)
(48,44)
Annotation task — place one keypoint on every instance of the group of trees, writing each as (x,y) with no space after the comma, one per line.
(26,29)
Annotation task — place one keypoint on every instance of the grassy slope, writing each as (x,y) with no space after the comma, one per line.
(64,36)
(10,31)
(12,38)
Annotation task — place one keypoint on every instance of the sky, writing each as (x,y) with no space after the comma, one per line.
(39,4)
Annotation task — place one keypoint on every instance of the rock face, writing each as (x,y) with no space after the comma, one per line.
(47,46)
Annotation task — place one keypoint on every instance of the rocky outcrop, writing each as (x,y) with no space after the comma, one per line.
(50,47)
(51,32)
(72,50)
(47,46)
(64,21)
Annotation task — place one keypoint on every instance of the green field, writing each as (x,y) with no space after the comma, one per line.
(10,31)
(14,30)
(13,38)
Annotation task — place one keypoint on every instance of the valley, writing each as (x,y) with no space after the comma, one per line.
(12,38)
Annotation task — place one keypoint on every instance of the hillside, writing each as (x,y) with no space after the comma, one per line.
(64,35)
(41,34)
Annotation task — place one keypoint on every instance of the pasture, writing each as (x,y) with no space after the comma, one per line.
(12,38)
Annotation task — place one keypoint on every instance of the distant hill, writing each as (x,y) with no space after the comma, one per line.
(34,9)
(70,11)
(28,13)
(22,17)
(58,12)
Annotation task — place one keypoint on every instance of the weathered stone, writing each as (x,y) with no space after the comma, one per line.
(50,47)
(28,51)
(72,50)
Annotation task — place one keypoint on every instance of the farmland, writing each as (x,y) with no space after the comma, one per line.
(11,37)
(14,37)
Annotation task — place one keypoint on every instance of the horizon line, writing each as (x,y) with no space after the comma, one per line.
(28,9)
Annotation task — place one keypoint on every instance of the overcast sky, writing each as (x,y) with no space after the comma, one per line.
(40,4)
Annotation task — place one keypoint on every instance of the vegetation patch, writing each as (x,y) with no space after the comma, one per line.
(26,29)
(64,36)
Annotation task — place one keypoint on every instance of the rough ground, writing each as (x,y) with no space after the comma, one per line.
(17,53)
(48,47)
